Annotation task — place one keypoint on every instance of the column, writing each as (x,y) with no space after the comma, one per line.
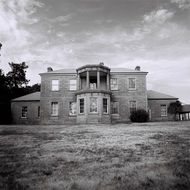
(78,82)
(98,79)
(108,81)
(87,79)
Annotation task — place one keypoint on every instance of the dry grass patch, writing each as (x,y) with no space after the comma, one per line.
(96,157)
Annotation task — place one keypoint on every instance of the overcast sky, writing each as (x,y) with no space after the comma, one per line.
(154,34)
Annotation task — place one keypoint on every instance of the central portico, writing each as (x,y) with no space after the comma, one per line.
(93,94)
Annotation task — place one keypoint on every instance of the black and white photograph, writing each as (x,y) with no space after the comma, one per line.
(95,94)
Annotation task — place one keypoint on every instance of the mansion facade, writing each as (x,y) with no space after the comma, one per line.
(90,94)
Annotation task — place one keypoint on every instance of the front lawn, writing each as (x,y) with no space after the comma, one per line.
(98,157)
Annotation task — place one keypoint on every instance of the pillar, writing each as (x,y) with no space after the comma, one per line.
(78,82)
(87,79)
(108,81)
(98,79)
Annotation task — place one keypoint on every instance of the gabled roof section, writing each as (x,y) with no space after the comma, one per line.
(29,97)
(154,95)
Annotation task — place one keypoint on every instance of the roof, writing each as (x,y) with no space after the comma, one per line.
(186,108)
(29,97)
(112,70)
(157,95)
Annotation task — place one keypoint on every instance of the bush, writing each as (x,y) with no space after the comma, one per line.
(139,116)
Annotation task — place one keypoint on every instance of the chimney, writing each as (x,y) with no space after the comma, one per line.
(49,69)
(137,68)
(101,63)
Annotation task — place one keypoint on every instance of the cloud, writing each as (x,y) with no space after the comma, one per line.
(182,4)
(158,17)
(62,18)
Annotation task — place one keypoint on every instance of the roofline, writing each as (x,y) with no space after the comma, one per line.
(163,98)
(13,100)
(58,73)
(129,72)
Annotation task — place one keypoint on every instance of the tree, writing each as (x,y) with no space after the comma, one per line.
(175,108)
(17,76)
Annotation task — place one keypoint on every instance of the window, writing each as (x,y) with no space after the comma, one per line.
(105,105)
(133,106)
(24,111)
(81,105)
(73,85)
(113,83)
(54,108)
(132,83)
(93,105)
(115,108)
(38,111)
(163,110)
(55,85)
(72,108)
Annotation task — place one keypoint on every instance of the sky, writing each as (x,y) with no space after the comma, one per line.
(154,34)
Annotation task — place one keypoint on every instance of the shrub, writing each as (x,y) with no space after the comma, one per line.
(139,116)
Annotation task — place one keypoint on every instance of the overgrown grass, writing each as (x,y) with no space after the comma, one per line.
(104,157)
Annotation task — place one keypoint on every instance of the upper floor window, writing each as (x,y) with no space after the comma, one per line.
(93,105)
(114,84)
(72,108)
(133,106)
(132,83)
(24,112)
(163,110)
(54,108)
(115,107)
(81,105)
(105,105)
(55,85)
(72,84)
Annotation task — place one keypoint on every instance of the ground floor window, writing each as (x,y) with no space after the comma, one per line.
(115,107)
(24,111)
(38,111)
(133,106)
(81,105)
(54,108)
(163,110)
(93,105)
(72,108)
(105,105)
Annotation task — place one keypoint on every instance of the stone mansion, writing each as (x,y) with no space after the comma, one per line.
(90,94)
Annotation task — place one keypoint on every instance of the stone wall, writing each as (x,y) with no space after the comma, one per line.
(124,95)
(154,107)
(32,112)
(64,96)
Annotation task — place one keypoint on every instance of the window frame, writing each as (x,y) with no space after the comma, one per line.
(72,114)
(54,85)
(72,85)
(104,105)
(80,106)
(24,112)
(132,88)
(53,109)
(111,84)
(165,111)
